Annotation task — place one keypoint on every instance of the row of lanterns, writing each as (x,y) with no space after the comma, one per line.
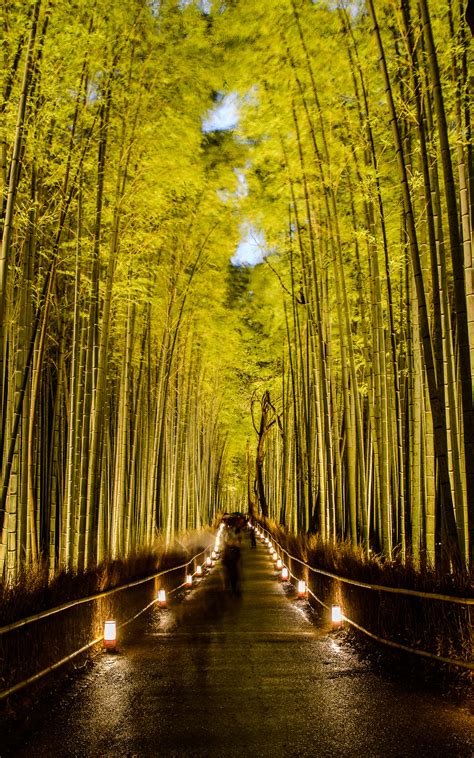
(110,626)
(280,567)
(337,617)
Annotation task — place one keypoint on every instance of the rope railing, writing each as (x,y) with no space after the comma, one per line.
(375,587)
(401,591)
(98,596)
(65,606)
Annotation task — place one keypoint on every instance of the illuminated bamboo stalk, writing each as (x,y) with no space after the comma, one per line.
(74,415)
(133,537)
(121,506)
(81,446)
(397,472)
(435,396)
(416,433)
(429,528)
(458,264)
(54,490)
(352,414)
(14,169)
(315,313)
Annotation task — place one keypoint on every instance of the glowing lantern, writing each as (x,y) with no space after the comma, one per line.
(274,555)
(279,564)
(213,555)
(161,598)
(208,561)
(189,580)
(110,635)
(336,615)
(301,588)
(284,574)
(199,570)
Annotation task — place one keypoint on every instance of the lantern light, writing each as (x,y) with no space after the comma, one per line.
(336,615)
(189,580)
(284,574)
(110,635)
(208,561)
(279,564)
(198,570)
(161,598)
(213,555)
(274,555)
(301,588)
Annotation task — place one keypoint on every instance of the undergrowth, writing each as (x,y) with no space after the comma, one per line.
(344,559)
(35,591)
(441,628)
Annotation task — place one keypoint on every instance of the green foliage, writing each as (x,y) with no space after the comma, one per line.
(150,346)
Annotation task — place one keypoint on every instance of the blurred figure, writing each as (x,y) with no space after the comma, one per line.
(253,539)
(231,559)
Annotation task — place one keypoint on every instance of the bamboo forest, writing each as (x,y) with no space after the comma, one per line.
(236,275)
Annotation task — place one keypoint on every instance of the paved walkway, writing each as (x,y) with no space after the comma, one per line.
(219,676)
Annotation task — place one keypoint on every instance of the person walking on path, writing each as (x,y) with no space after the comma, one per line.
(231,558)
(253,539)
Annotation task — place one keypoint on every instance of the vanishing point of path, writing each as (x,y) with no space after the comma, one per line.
(219,676)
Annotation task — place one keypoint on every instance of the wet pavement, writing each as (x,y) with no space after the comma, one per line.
(223,676)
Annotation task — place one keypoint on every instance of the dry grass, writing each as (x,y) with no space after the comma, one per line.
(346,560)
(441,628)
(34,591)
(36,646)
